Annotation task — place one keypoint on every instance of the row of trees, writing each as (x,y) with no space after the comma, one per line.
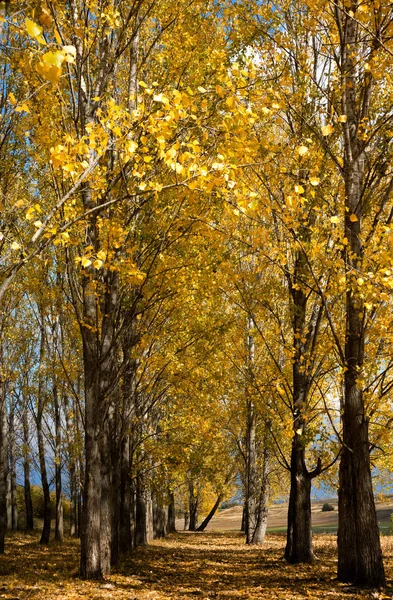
(196,262)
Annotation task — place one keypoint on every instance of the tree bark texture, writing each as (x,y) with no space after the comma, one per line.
(359,549)
(13,525)
(59,522)
(193,494)
(171,514)
(45,536)
(3,466)
(26,469)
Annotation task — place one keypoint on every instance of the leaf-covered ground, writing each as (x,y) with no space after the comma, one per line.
(207,566)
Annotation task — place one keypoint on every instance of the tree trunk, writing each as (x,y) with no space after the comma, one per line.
(140,514)
(149,516)
(186,520)
(252,492)
(194,502)
(299,536)
(115,448)
(73,500)
(3,466)
(171,514)
(159,519)
(359,549)
(26,469)
(12,448)
(106,502)
(305,331)
(129,402)
(211,514)
(125,540)
(90,565)
(45,536)
(59,523)
(258,535)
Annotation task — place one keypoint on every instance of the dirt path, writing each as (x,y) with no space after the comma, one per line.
(184,566)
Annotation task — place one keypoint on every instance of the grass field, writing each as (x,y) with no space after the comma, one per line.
(230,518)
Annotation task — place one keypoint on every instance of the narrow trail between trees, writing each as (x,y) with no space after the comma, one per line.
(208,566)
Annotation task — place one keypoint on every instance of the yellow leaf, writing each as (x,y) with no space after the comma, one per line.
(353,218)
(161,98)
(101,255)
(54,58)
(360,281)
(299,189)
(314,180)
(302,150)
(37,224)
(335,219)
(33,29)
(97,264)
(131,146)
(368,305)
(342,119)
(22,108)
(86,262)
(52,73)
(327,130)
(253,205)
(15,246)
(11,98)
(201,89)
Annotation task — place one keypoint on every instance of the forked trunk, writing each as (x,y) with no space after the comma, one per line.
(299,536)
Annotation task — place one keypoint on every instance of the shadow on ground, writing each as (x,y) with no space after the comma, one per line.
(209,566)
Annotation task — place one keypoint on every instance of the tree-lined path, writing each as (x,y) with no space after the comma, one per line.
(196,291)
(213,565)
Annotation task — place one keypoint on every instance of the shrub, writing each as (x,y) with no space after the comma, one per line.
(327,507)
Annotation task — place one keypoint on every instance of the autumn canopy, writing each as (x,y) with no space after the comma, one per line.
(196,269)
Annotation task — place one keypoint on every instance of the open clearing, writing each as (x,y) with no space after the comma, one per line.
(230,518)
(213,565)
